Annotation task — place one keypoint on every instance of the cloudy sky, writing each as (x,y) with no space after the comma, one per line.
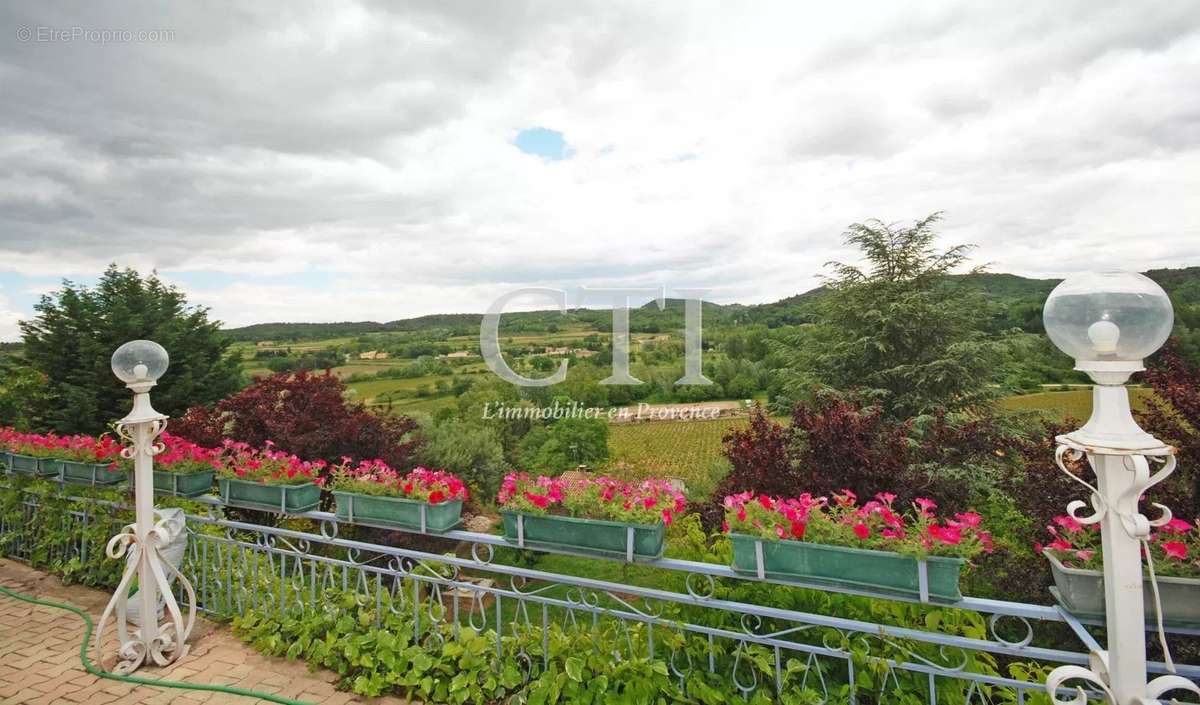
(313,162)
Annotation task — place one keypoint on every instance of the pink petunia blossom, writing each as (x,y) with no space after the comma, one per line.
(1175,549)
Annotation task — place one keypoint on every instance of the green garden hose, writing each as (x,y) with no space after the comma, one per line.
(87,663)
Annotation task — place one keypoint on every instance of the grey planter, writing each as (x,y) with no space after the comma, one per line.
(1081,592)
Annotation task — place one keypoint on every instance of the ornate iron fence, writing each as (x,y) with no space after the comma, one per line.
(692,615)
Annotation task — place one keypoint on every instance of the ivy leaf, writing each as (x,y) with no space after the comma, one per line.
(574,668)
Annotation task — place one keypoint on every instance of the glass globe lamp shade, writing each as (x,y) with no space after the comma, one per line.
(1108,317)
(139,361)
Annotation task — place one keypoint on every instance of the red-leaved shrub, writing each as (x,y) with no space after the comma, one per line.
(303,414)
(1173,416)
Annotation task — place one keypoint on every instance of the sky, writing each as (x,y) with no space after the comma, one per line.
(294,161)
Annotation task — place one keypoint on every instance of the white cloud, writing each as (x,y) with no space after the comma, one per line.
(8,320)
(374,144)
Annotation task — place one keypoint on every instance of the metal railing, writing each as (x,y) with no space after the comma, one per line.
(678,611)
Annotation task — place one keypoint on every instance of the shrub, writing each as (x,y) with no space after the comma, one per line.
(1172,414)
(470,450)
(304,414)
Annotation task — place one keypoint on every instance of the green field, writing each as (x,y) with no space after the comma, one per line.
(687,450)
(1075,404)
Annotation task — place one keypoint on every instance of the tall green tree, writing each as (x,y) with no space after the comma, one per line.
(897,329)
(77,328)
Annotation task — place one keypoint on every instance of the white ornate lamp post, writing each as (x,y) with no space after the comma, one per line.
(139,364)
(1109,322)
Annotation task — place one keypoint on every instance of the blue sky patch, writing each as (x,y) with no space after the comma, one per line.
(544,143)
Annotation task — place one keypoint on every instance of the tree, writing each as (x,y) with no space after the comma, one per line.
(305,414)
(569,442)
(77,329)
(898,330)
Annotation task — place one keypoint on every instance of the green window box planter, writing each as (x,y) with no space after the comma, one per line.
(33,465)
(183,484)
(90,473)
(398,511)
(287,499)
(50,467)
(1081,592)
(858,568)
(631,541)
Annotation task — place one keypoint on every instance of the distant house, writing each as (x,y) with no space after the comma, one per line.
(264,343)
(578,352)
(373,355)
(457,355)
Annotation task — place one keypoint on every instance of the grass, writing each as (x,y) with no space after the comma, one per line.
(1076,403)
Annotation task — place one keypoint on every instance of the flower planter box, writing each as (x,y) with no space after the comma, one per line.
(32,465)
(398,511)
(1081,592)
(90,473)
(183,484)
(847,566)
(287,499)
(632,541)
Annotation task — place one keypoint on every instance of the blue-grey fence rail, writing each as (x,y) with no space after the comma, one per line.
(235,565)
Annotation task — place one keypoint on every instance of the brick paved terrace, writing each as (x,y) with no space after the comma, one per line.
(39,657)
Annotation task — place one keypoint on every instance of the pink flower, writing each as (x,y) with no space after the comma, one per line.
(970,519)
(925,505)
(1175,549)
(1177,526)
(862,531)
(948,535)
(1068,523)
(1084,555)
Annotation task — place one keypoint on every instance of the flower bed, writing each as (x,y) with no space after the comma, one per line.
(268,480)
(374,493)
(1077,565)
(870,546)
(91,461)
(31,453)
(78,459)
(600,515)
(184,469)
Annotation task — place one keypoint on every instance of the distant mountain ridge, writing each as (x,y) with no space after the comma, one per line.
(1183,284)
